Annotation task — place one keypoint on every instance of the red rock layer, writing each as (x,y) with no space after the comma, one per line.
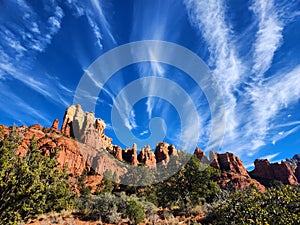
(265,170)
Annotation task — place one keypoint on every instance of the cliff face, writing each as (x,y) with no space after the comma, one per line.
(77,157)
(266,172)
(233,173)
(84,127)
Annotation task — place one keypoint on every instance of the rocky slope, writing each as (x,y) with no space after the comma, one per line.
(81,145)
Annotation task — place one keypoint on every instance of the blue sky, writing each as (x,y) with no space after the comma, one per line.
(252,49)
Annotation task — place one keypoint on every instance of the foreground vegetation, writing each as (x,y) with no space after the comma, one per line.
(32,184)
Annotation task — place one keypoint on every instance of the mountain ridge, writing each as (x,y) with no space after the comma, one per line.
(82,144)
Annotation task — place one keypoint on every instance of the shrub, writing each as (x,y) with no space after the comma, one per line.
(111,208)
(278,206)
(135,212)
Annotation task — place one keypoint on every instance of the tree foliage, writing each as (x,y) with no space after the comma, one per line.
(193,185)
(29,184)
(278,206)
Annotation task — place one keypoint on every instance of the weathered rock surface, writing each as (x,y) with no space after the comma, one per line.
(147,157)
(293,162)
(198,153)
(130,155)
(77,157)
(172,151)
(55,124)
(85,128)
(233,173)
(87,147)
(297,172)
(162,153)
(229,162)
(117,150)
(266,171)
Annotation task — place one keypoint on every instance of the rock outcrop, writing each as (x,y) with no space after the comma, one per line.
(172,150)
(162,153)
(265,172)
(81,145)
(297,172)
(75,156)
(147,157)
(117,150)
(229,162)
(130,155)
(293,162)
(55,124)
(85,128)
(198,153)
(233,173)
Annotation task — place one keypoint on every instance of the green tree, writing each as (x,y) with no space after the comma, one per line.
(193,185)
(29,184)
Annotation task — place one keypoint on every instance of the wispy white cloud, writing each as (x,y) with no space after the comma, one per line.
(130,121)
(250,115)
(93,11)
(20,40)
(268,37)
(283,134)
(22,108)
(276,94)
(210,19)
(292,123)
(270,157)
(144,132)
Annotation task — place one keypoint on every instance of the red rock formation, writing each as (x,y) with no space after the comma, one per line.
(235,181)
(36,127)
(76,156)
(230,162)
(297,172)
(85,128)
(198,153)
(147,157)
(130,155)
(134,159)
(266,171)
(68,119)
(214,160)
(172,150)
(234,175)
(162,153)
(118,152)
(55,124)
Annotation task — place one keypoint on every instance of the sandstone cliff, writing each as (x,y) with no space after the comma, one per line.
(267,172)
(233,173)
(84,127)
